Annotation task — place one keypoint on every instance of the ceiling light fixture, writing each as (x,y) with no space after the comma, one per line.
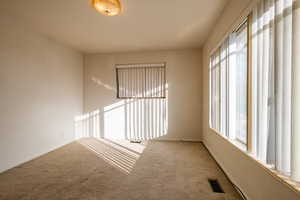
(107,7)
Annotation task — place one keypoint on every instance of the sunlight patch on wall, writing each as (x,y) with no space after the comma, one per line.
(129,119)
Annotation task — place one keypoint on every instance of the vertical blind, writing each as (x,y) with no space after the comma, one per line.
(143,86)
(275,41)
(272,38)
(141,81)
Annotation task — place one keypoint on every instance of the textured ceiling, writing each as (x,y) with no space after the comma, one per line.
(143,24)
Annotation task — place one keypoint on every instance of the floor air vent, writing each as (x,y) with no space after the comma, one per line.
(135,141)
(215,186)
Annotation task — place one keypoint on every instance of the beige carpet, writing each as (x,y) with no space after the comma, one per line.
(92,169)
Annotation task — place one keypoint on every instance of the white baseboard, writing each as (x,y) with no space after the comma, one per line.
(178,140)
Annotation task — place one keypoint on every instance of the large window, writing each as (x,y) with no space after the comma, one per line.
(240,68)
(229,78)
(255,86)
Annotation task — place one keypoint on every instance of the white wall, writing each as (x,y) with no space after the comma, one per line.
(41,92)
(255,181)
(183,79)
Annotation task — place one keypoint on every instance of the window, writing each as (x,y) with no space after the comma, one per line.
(141,81)
(241,67)
(142,90)
(228,72)
(255,86)
(272,40)
(215,91)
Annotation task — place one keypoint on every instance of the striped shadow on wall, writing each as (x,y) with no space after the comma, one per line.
(141,112)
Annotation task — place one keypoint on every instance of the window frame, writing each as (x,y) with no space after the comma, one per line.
(245,24)
(240,144)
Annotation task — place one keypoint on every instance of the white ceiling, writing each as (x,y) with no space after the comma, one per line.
(143,24)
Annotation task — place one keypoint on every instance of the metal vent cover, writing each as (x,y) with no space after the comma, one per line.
(215,186)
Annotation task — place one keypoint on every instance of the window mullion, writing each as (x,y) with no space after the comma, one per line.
(249,84)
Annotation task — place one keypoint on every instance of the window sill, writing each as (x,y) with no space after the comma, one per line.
(236,143)
(294,185)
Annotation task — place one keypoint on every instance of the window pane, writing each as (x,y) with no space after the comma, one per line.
(241,84)
(215,91)
(224,88)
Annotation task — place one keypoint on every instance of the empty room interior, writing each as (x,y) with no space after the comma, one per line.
(150,100)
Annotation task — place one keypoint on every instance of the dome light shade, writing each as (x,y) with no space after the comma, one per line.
(107,7)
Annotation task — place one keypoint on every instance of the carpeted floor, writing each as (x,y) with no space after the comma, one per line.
(93,169)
